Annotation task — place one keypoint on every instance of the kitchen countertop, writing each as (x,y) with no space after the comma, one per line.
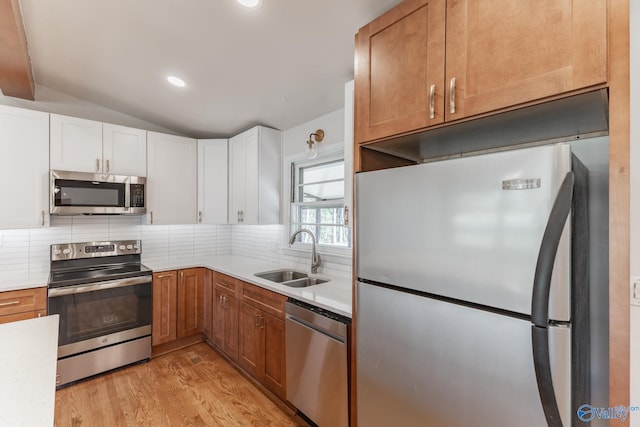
(28,371)
(334,295)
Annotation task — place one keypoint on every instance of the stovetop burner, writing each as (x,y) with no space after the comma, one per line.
(91,262)
(96,274)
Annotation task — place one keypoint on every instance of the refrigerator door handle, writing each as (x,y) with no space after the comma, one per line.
(547,253)
(540,299)
(542,365)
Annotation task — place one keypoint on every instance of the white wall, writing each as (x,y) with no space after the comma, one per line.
(52,101)
(294,139)
(634,52)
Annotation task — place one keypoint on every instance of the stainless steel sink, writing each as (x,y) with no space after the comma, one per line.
(288,277)
(304,282)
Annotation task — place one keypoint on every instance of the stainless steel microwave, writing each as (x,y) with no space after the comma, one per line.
(77,193)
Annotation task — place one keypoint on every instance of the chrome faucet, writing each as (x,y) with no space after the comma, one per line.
(315,258)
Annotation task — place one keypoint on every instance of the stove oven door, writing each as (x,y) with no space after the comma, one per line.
(101,314)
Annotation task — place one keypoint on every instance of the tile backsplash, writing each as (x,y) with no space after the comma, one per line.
(24,254)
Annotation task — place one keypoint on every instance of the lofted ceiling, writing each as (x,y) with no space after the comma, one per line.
(279,65)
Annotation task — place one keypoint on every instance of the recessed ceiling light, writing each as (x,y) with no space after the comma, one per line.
(249,3)
(176,81)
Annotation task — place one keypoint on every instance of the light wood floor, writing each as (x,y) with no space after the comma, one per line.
(190,387)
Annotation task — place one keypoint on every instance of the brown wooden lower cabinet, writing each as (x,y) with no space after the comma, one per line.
(177,304)
(261,348)
(225,315)
(165,305)
(244,321)
(23,304)
(190,302)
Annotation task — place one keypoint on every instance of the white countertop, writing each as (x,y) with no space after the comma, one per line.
(28,370)
(334,295)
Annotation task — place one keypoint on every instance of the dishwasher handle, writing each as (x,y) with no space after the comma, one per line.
(318,319)
(316,328)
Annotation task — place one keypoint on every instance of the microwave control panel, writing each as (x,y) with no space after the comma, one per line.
(137,196)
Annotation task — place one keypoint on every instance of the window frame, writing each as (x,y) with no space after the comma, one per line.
(330,153)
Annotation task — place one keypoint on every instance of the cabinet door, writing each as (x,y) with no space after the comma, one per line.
(218,324)
(190,302)
(76,144)
(252,183)
(251,344)
(274,355)
(24,168)
(399,76)
(212,181)
(124,150)
(503,53)
(231,326)
(164,307)
(237,180)
(171,179)
(207,301)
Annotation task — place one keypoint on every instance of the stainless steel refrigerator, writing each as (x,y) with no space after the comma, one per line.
(472,304)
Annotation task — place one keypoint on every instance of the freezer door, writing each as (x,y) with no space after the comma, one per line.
(425,362)
(467,228)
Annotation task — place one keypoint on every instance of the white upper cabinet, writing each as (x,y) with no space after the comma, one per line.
(124,150)
(171,179)
(24,168)
(88,146)
(254,176)
(212,181)
(76,144)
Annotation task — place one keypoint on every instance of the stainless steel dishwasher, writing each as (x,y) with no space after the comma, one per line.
(317,373)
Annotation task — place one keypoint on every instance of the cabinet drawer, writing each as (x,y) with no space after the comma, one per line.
(223,281)
(23,300)
(268,301)
(22,316)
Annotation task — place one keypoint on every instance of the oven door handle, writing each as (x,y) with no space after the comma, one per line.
(81,289)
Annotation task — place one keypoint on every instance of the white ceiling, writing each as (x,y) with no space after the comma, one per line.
(279,65)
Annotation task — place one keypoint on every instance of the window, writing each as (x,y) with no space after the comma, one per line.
(317,202)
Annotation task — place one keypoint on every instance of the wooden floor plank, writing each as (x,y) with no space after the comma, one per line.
(193,386)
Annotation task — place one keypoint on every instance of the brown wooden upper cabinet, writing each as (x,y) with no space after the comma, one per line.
(425,62)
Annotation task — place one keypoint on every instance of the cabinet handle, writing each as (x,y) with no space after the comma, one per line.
(241,216)
(261,321)
(452,95)
(182,277)
(225,300)
(346,215)
(256,319)
(151,217)
(4,304)
(432,102)
(163,276)
(220,300)
(199,216)
(42,222)
(107,171)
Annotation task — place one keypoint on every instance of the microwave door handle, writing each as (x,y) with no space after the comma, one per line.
(127,196)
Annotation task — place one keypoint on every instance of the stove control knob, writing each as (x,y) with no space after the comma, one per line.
(57,251)
(66,251)
(122,247)
(130,247)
